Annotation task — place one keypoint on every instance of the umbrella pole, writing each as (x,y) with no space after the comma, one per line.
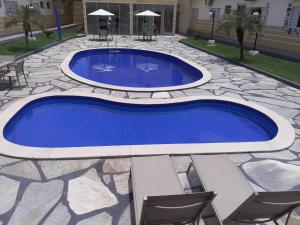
(97,28)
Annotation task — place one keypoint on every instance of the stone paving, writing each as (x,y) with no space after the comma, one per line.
(98,191)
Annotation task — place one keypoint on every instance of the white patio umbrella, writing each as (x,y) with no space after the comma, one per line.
(101,12)
(147,13)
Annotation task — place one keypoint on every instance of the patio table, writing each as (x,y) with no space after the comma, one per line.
(5,62)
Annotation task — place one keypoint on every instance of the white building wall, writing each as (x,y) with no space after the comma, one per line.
(2,11)
(277,12)
(184,16)
(276,15)
(203,9)
(43,11)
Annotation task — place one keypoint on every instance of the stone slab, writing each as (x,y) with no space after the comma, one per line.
(8,193)
(36,202)
(88,193)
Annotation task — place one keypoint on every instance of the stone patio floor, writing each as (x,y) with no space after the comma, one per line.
(98,191)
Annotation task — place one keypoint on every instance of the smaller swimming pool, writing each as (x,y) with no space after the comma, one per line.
(65,126)
(80,121)
(133,69)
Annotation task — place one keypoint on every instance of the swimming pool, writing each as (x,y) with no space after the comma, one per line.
(133,69)
(96,125)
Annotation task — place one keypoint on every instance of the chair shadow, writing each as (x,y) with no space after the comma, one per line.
(100,40)
(5,85)
(144,40)
(209,215)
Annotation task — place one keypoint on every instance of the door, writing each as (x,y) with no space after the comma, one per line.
(157,23)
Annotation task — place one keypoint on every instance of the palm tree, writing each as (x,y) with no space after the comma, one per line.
(240,21)
(28,16)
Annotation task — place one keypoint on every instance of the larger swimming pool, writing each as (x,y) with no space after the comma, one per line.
(133,69)
(70,122)
(80,121)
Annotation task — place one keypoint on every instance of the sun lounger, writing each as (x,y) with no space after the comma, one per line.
(235,198)
(158,196)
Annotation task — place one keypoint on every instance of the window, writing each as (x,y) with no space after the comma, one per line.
(294,18)
(11,8)
(48,5)
(41,5)
(35,5)
(0,3)
(241,7)
(217,13)
(195,13)
(227,9)
(208,2)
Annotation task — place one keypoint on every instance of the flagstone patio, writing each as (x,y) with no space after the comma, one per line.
(98,191)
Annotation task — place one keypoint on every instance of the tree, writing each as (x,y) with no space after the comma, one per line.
(240,20)
(28,17)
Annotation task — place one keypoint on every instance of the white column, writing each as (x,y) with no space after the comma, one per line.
(131,18)
(185,16)
(84,17)
(174,19)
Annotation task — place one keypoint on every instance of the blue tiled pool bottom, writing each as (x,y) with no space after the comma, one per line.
(66,121)
(133,68)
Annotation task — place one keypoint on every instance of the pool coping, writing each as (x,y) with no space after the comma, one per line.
(206,75)
(284,138)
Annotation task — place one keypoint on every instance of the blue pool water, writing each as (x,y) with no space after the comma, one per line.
(133,68)
(80,121)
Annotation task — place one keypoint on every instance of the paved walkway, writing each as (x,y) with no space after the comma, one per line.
(34,33)
(98,191)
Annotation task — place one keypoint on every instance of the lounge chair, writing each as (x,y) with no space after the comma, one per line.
(236,200)
(158,196)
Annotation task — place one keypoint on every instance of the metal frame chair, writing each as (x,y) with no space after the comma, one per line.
(236,200)
(158,195)
(279,203)
(16,70)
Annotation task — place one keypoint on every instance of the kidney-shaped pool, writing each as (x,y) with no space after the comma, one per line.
(133,69)
(67,121)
